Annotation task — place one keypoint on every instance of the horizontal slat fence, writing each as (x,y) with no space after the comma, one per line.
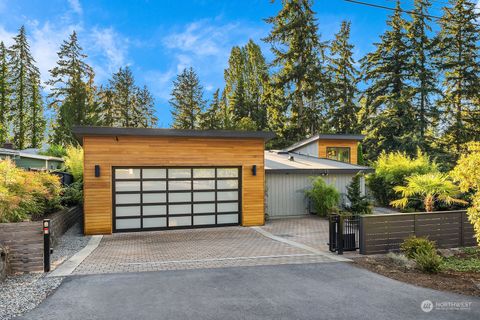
(385,232)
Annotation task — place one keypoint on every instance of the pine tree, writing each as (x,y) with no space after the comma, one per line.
(108,115)
(421,48)
(359,204)
(37,121)
(298,54)
(5,92)
(459,61)
(389,117)
(187,100)
(145,114)
(70,80)
(23,72)
(125,100)
(345,76)
(227,121)
(211,118)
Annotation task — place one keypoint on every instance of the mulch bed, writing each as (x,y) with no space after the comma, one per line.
(467,283)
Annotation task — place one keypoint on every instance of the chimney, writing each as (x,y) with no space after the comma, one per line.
(8,145)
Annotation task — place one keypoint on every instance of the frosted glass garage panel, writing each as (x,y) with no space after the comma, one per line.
(204,208)
(227,218)
(227,195)
(154,185)
(127,211)
(202,220)
(179,221)
(204,173)
(227,184)
(127,198)
(179,197)
(203,196)
(127,173)
(154,210)
(154,222)
(179,173)
(227,207)
(179,209)
(203,184)
(154,197)
(154,173)
(127,186)
(227,172)
(127,223)
(179,185)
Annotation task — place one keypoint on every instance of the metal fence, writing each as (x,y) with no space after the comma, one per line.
(343,233)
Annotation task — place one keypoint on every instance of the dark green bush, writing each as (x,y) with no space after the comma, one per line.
(359,204)
(325,198)
(428,260)
(72,194)
(414,245)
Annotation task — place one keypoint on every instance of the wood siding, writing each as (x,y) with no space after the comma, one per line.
(168,151)
(352,144)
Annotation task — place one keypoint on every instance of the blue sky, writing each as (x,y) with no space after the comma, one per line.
(157,39)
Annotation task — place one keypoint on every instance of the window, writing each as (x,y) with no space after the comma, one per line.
(339,153)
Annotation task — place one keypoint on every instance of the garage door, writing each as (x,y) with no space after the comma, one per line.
(163,198)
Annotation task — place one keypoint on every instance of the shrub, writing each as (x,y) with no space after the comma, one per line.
(428,261)
(72,194)
(359,204)
(414,244)
(392,169)
(55,150)
(325,198)
(74,162)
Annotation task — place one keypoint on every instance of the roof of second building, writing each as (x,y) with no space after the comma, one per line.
(325,136)
(287,162)
(22,154)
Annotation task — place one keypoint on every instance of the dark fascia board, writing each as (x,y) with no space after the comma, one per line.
(358,137)
(320,171)
(82,131)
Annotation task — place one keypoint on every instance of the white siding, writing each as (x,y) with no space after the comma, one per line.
(310,149)
(286,192)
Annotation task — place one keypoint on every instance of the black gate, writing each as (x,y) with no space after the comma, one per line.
(343,233)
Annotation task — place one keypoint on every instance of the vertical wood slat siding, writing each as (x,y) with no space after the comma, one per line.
(168,151)
(352,144)
(310,149)
(285,193)
(386,232)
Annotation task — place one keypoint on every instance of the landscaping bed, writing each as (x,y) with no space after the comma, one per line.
(459,273)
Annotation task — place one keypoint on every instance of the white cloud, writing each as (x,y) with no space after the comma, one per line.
(76,6)
(6,36)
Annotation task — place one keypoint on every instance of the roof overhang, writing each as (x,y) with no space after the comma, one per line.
(82,131)
(320,171)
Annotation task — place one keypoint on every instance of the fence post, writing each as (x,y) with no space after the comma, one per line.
(361,236)
(46,245)
(462,241)
(340,235)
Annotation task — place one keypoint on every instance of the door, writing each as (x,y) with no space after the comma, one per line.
(151,198)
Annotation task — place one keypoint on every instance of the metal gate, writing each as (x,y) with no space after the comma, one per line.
(343,233)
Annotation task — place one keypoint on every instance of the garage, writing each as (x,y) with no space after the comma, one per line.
(138,179)
(153,198)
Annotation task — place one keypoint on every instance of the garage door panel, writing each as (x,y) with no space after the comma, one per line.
(204,208)
(127,198)
(155,197)
(179,221)
(154,222)
(227,207)
(203,196)
(179,185)
(204,220)
(154,185)
(156,210)
(127,211)
(180,197)
(204,185)
(127,223)
(179,209)
(154,173)
(227,218)
(127,186)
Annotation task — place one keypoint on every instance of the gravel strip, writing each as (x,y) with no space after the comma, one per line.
(21,293)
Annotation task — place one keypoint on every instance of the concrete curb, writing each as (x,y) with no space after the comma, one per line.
(66,268)
(300,245)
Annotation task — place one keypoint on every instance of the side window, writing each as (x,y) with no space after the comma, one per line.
(339,154)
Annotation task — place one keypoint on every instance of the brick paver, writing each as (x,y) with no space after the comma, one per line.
(191,249)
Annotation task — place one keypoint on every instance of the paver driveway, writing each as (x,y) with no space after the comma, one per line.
(192,249)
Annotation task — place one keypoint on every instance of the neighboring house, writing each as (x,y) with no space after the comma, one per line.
(290,172)
(138,179)
(31,161)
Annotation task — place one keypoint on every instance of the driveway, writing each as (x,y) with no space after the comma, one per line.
(307,291)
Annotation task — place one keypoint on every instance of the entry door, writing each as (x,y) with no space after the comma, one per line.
(152,198)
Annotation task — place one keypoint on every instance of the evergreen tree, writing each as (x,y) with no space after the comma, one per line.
(359,204)
(277,119)
(5,92)
(124,99)
(37,121)
(459,61)
(145,114)
(211,118)
(108,114)
(388,113)
(298,54)
(70,81)
(345,76)
(227,121)
(187,100)
(24,87)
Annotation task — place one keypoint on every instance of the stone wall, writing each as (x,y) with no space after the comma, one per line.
(24,240)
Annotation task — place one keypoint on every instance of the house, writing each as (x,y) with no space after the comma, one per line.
(289,174)
(31,161)
(138,179)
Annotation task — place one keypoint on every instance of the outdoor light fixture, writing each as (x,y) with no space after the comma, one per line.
(254,169)
(97,170)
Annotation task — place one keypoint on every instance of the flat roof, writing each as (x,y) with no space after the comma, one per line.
(325,136)
(22,154)
(278,161)
(82,131)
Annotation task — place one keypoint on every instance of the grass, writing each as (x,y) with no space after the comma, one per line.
(468,260)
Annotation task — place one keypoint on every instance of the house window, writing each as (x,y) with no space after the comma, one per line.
(339,154)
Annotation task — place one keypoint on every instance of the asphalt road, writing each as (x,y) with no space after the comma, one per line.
(308,291)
